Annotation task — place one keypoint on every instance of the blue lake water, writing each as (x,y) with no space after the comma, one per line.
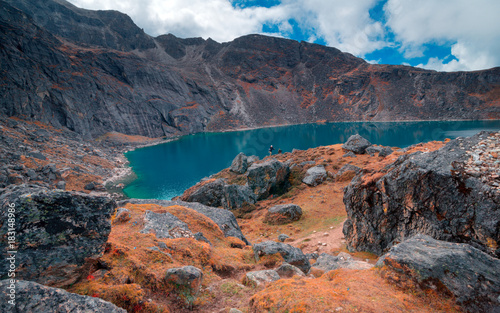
(166,170)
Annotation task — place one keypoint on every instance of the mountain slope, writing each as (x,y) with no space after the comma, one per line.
(96,71)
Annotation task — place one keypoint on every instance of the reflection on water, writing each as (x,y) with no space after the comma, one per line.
(166,170)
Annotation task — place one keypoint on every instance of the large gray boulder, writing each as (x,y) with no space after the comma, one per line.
(437,193)
(218,193)
(55,232)
(471,275)
(327,262)
(33,297)
(283,214)
(356,144)
(290,254)
(223,218)
(239,164)
(315,175)
(268,178)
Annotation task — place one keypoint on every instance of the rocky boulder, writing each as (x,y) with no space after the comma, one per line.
(327,262)
(218,193)
(433,193)
(288,270)
(315,175)
(290,254)
(239,164)
(471,275)
(268,178)
(256,278)
(283,214)
(356,144)
(223,218)
(55,232)
(385,152)
(185,282)
(33,297)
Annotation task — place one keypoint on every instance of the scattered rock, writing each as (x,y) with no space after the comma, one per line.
(90,186)
(239,164)
(371,150)
(385,152)
(56,231)
(349,154)
(283,237)
(37,155)
(428,193)
(33,297)
(165,225)
(283,214)
(287,270)
(290,254)
(268,178)
(233,310)
(315,175)
(471,275)
(199,236)
(356,144)
(61,185)
(256,278)
(186,282)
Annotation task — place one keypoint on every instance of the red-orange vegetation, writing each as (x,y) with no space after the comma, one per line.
(348,291)
(119,137)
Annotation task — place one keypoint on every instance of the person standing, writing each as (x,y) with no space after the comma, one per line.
(271,149)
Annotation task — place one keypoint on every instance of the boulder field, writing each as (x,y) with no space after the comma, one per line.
(282,249)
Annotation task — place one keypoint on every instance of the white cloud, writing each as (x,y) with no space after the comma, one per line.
(472,26)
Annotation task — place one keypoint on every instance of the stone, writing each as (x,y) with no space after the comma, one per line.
(283,237)
(225,219)
(327,262)
(37,155)
(165,225)
(356,144)
(428,193)
(186,282)
(349,154)
(283,214)
(252,159)
(199,236)
(61,185)
(385,152)
(256,278)
(471,275)
(33,297)
(290,254)
(287,271)
(315,175)
(239,164)
(268,178)
(90,186)
(371,150)
(57,232)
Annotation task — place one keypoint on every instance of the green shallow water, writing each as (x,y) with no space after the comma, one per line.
(166,170)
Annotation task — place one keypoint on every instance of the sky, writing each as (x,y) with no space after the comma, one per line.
(443,35)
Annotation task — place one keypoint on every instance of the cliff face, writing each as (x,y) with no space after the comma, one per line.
(96,71)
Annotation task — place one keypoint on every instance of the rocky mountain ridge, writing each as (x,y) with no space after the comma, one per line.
(95,72)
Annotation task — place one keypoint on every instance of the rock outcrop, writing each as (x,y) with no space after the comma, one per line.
(56,232)
(223,218)
(356,144)
(471,275)
(268,178)
(166,85)
(165,225)
(239,164)
(256,278)
(445,194)
(315,175)
(33,297)
(290,254)
(283,214)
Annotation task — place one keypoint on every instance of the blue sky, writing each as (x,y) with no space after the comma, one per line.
(444,35)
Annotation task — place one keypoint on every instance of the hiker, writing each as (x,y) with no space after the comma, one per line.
(271,148)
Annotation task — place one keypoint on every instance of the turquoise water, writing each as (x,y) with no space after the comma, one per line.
(166,170)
